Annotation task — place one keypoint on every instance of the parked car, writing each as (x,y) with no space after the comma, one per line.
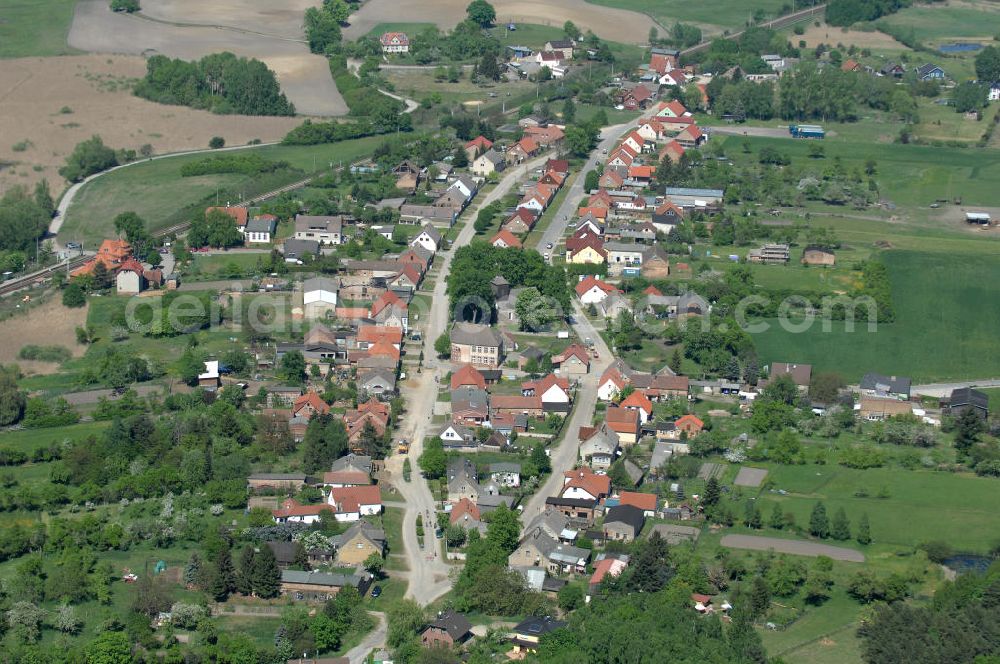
(376,591)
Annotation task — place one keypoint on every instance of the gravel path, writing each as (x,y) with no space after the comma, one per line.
(795,547)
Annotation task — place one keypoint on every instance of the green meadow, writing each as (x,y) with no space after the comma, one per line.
(714,16)
(35,27)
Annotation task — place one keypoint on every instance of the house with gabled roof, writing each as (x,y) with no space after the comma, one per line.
(521,221)
(489,162)
(292,511)
(477,146)
(308,405)
(691,137)
(639,402)
(598,446)
(610,179)
(671,109)
(395,42)
(350,470)
(504,239)
(585,483)
(467,375)
(353,502)
(592,290)
(611,383)
(623,422)
(585,248)
(525,148)
(635,141)
(429,238)
(573,361)
(644,501)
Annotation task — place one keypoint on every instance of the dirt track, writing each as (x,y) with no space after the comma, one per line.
(607,22)
(794,547)
(190,30)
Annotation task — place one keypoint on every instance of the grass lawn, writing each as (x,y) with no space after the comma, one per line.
(942,123)
(938,506)
(420,83)
(712,15)
(158,193)
(943,22)
(946,315)
(28,440)
(215,265)
(35,27)
(259,628)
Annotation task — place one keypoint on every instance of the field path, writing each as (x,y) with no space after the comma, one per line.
(794,547)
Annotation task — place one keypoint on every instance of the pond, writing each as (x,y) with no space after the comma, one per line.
(967,562)
(959,47)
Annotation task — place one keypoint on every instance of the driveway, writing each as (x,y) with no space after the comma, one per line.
(375,639)
(794,547)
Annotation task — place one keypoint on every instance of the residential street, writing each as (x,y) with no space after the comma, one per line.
(567,211)
(429,574)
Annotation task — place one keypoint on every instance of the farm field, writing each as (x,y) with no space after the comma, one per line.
(35,27)
(73,98)
(158,193)
(946,317)
(190,30)
(49,324)
(608,22)
(27,440)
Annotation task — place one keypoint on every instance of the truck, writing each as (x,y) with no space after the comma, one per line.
(806,131)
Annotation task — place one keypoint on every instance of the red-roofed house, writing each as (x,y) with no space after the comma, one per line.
(516,404)
(673,149)
(652,130)
(636,98)
(610,384)
(674,77)
(468,375)
(111,254)
(596,212)
(477,146)
(671,109)
(525,148)
(573,361)
(662,63)
(309,404)
(353,502)
(641,174)
(604,568)
(505,240)
(395,42)
(635,141)
(691,137)
(553,179)
(546,136)
(652,290)
(466,513)
(640,403)
(623,422)
(552,390)
(850,65)
(690,424)
(583,483)
(130,278)
(390,311)
(292,511)
(644,501)
(585,248)
(592,290)
(610,179)
(522,221)
(240,215)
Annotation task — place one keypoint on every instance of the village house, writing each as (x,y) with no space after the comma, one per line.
(350,470)
(320,586)
(462,481)
(322,229)
(428,238)
(801,374)
(480,345)
(539,549)
(643,501)
(489,162)
(358,542)
(879,408)
(892,387)
(353,502)
(623,422)
(526,634)
(640,403)
(592,290)
(505,239)
(583,483)
(624,258)
(438,215)
(260,230)
(458,437)
(130,278)
(770,254)
(623,523)
(448,630)
(477,146)
(585,247)
(552,390)
(319,297)
(598,446)
(689,424)
(506,474)
(573,361)
(395,42)
(521,221)
(292,511)
(966,398)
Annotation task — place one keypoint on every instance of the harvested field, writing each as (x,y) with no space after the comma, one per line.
(752,477)
(832,35)
(74,97)
(794,547)
(190,30)
(607,23)
(50,324)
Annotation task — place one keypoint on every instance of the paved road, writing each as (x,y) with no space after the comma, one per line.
(944,389)
(564,456)
(795,547)
(567,211)
(429,574)
(375,639)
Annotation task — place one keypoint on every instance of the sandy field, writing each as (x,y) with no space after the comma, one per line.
(95,89)
(49,324)
(831,36)
(190,30)
(607,22)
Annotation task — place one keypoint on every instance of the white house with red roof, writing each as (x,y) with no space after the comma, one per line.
(292,511)
(395,42)
(638,401)
(504,239)
(353,502)
(130,279)
(671,109)
(592,290)
(551,390)
(635,141)
(477,146)
(583,483)
(674,77)
(611,383)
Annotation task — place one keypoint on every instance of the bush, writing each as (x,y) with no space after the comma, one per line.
(128,6)
(73,296)
(215,143)
(44,353)
(89,157)
(246,164)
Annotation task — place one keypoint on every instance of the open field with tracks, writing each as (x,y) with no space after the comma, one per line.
(191,30)
(48,105)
